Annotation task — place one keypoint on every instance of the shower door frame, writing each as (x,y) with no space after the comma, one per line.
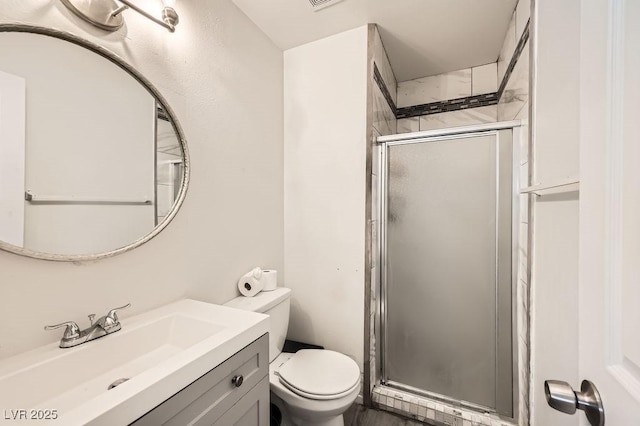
(384,142)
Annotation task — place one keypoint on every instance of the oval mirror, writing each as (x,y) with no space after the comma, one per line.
(92,160)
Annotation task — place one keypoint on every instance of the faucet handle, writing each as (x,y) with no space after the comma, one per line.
(71,332)
(111,319)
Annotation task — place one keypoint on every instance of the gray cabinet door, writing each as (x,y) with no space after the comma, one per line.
(251,410)
(212,395)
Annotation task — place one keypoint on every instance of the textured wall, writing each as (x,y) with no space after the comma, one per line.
(325,147)
(224,79)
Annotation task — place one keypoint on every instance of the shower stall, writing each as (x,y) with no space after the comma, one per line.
(447,251)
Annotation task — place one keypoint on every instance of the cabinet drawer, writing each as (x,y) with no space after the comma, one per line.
(252,409)
(214,393)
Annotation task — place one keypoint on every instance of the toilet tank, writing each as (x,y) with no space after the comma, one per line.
(274,303)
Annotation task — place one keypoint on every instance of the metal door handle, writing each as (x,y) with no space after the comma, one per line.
(562,397)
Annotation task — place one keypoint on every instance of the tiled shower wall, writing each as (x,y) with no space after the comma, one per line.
(512,105)
(452,85)
(383,123)
(384,117)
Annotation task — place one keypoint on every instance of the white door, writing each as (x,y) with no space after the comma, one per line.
(609,258)
(586,250)
(606,312)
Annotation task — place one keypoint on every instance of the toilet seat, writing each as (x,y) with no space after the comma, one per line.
(320,374)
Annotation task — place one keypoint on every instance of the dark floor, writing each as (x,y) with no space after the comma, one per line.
(357,415)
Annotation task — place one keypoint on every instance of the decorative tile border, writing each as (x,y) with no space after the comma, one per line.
(514,59)
(448,105)
(432,412)
(377,77)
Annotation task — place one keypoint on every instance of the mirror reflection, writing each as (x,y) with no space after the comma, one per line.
(90,161)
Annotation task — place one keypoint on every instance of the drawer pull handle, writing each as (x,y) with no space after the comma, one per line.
(237,380)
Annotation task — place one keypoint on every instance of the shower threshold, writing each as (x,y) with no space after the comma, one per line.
(432,410)
(438,397)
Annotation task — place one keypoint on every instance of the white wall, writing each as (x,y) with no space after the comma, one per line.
(12,152)
(554,275)
(325,153)
(223,78)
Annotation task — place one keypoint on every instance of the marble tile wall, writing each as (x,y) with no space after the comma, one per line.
(384,114)
(449,105)
(384,122)
(484,79)
(516,91)
(454,85)
(517,26)
(465,117)
(384,66)
(508,47)
(523,11)
(384,118)
(513,105)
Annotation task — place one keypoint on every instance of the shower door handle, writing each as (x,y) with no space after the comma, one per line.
(562,397)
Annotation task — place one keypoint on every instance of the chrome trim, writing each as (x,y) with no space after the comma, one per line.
(496,294)
(451,131)
(71,38)
(101,14)
(440,138)
(382,261)
(107,14)
(169,16)
(515,267)
(73,336)
(70,199)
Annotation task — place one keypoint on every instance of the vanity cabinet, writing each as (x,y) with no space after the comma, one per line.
(235,392)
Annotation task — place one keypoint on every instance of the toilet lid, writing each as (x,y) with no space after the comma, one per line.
(320,373)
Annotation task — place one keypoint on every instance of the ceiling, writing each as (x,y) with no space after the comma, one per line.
(422,37)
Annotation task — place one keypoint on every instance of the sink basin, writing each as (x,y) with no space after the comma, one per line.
(159,352)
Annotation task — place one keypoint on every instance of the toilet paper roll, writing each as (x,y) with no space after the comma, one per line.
(250,283)
(269,280)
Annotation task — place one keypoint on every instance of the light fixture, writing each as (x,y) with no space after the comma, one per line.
(107,14)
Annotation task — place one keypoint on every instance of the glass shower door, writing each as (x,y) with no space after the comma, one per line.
(447,238)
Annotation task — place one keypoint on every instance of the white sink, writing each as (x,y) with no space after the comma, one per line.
(160,352)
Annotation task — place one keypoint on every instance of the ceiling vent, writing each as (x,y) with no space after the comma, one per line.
(321,4)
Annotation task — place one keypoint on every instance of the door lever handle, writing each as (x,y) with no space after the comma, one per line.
(562,397)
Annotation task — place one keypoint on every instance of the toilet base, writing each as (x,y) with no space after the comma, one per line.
(334,421)
(289,419)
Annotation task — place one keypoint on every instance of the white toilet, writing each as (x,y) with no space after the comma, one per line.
(312,386)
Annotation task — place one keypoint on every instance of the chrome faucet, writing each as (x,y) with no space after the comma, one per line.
(73,336)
